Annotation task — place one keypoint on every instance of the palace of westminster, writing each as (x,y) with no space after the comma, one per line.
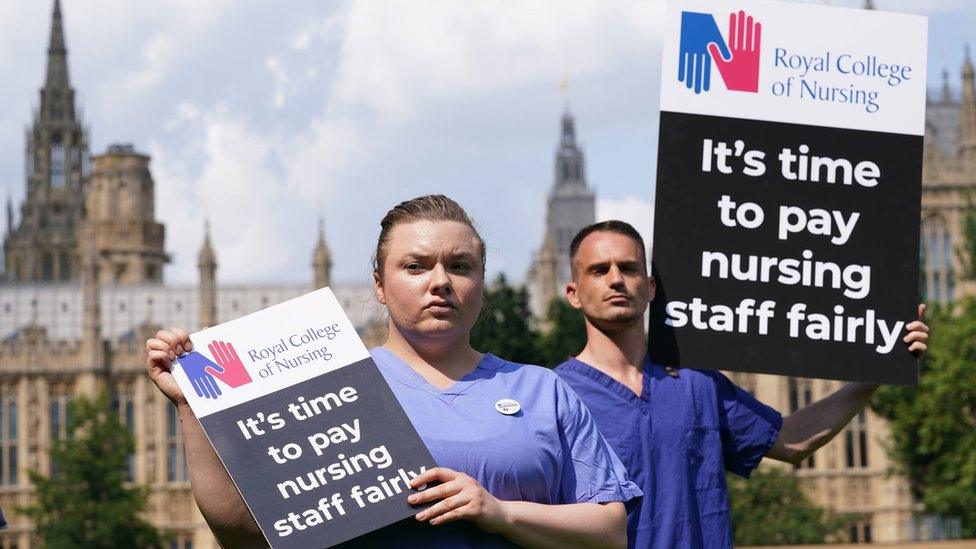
(82,289)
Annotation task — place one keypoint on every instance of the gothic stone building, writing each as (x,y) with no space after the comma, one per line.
(81,291)
(851,474)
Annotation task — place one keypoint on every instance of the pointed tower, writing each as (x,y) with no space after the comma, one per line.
(322,260)
(207,265)
(571,204)
(44,247)
(548,274)
(967,109)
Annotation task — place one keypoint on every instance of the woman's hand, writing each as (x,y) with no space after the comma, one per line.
(161,351)
(461,497)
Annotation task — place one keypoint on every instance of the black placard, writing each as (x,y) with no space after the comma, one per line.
(298,502)
(689,223)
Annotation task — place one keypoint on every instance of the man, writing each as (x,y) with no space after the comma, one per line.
(678,431)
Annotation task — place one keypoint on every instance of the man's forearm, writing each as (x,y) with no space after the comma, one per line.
(216,496)
(811,427)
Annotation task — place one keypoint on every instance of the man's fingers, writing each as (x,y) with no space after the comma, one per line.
(921,311)
(918,347)
(917,326)
(916,336)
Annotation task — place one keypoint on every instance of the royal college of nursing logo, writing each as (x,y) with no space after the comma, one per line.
(737,59)
(203,371)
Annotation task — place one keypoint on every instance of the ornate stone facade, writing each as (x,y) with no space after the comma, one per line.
(852,473)
(83,289)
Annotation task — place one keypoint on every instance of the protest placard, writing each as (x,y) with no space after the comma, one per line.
(305,424)
(786,230)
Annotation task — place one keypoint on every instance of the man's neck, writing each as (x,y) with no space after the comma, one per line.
(616,350)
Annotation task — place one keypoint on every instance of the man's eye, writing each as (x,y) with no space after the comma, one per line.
(414,267)
(461,267)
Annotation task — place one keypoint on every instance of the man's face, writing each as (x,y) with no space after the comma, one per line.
(610,282)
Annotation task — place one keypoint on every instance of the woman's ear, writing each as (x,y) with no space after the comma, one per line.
(378,288)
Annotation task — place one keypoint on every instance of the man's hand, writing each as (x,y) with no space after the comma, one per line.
(918,334)
(461,498)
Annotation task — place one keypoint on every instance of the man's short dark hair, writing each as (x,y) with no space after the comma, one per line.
(611,226)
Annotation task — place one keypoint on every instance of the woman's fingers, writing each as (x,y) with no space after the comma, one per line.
(442,474)
(434,493)
(444,506)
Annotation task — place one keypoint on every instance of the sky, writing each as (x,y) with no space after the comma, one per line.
(261,118)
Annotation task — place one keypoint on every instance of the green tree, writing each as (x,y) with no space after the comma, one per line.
(966,253)
(566,336)
(506,326)
(770,508)
(86,503)
(933,426)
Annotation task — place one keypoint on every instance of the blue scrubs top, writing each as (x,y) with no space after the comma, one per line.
(549,452)
(677,439)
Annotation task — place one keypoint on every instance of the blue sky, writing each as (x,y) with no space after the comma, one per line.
(261,117)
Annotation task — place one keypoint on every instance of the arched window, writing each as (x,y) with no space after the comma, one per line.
(57,163)
(936,261)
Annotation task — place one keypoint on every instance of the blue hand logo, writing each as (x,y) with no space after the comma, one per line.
(195,365)
(698,30)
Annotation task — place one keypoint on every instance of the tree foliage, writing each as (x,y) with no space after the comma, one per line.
(566,336)
(506,326)
(86,503)
(933,426)
(770,508)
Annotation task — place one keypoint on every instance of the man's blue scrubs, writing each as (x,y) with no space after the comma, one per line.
(549,451)
(677,439)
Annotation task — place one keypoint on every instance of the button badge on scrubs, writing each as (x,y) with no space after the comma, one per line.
(508,406)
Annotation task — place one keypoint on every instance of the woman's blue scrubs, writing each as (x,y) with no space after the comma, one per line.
(550,451)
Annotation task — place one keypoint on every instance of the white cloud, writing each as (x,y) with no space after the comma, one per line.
(633,210)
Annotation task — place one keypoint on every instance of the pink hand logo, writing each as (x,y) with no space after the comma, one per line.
(233,372)
(741,71)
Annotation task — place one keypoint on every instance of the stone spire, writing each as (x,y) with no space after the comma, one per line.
(868,5)
(569,158)
(44,246)
(946,90)
(548,272)
(571,204)
(322,260)
(10,215)
(207,265)
(967,108)
(57,54)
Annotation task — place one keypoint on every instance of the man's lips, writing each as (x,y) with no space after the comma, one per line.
(617,297)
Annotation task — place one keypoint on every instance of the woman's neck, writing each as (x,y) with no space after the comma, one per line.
(450,357)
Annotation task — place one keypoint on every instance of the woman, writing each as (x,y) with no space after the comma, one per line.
(536,472)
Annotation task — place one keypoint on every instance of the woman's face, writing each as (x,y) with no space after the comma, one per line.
(432,280)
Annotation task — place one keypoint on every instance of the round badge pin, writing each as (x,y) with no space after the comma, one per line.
(508,406)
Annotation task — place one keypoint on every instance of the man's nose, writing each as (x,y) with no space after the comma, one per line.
(614,276)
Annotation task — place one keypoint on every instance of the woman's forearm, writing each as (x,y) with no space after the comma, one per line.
(571,525)
(216,496)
